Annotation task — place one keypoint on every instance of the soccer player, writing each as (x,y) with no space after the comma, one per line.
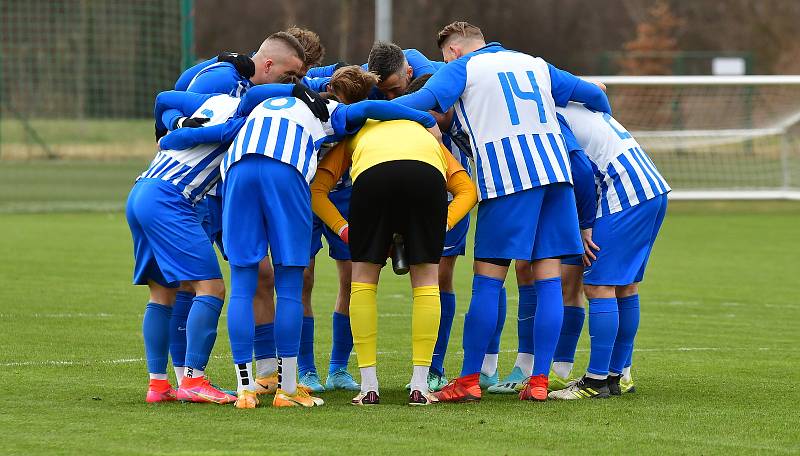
(170,247)
(586,199)
(506,102)
(396,68)
(631,208)
(401,175)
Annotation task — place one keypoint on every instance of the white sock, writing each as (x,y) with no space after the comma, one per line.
(626,373)
(489,366)
(244,376)
(179,373)
(158,376)
(525,363)
(369,379)
(194,373)
(287,374)
(419,379)
(266,366)
(562,368)
(596,376)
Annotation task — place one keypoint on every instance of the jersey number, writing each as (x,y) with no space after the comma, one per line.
(616,126)
(276,104)
(508,82)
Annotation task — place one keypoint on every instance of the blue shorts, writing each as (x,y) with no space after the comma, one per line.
(538,223)
(169,244)
(625,239)
(455,240)
(266,207)
(337,249)
(209,210)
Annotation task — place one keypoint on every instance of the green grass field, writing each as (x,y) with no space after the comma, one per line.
(715,362)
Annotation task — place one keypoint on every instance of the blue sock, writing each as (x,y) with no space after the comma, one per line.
(288,310)
(525,318)
(546,323)
(480,323)
(448,302)
(570,333)
(305,358)
(342,342)
(603,325)
(494,344)
(241,322)
(201,330)
(264,341)
(628,325)
(177,327)
(155,329)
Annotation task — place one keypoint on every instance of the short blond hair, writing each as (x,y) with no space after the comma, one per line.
(352,83)
(458,29)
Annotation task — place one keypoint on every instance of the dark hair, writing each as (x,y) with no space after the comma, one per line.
(417,83)
(385,59)
(291,42)
(313,48)
(458,28)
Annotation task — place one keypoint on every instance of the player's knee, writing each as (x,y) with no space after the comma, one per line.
(627,290)
(445,278)
(524,272)
(599,291)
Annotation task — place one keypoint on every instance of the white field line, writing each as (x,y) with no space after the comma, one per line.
(390,352)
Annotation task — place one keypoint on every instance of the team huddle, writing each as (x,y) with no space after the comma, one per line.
(264,154)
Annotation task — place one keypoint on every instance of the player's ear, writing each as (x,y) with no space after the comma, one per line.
(409,72)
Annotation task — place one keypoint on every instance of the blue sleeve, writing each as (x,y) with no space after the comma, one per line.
(350,118)
(185,138)
(173,104)
(186,77)
(221,79)
(442,89)
(259,93)
(567,87)
(321,71)
(316,84)
(419,63)
(591,96)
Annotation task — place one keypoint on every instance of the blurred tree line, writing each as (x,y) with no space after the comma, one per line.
(584,36)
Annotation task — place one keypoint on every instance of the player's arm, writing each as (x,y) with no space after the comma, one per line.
(172,105)
(329,171)
(324,71)
(465,195)
(220,79)
(420,63)
(260,93)
(567,87)
(186,77)
(185,138)
(316,84)
(357,113)
(441,91)
(582,176)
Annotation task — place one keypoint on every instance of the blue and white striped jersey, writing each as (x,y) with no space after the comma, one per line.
(505,102)
(624,174)
(195,170)
(285,129)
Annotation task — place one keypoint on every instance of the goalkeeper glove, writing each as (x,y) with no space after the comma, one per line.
(317,104)
(244,65)
(344,234)
(191,122)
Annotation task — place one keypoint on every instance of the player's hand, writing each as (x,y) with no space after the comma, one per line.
(244,65)
(344,234)
(589,247)
(192,122)
(317,104)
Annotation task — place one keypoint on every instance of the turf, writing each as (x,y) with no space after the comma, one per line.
(714,365)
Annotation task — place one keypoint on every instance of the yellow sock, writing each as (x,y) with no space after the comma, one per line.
(364,322)
(424,323)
